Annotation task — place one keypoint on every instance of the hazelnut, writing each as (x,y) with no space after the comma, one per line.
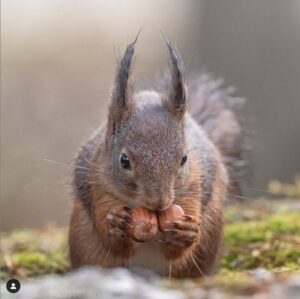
(166,217)
(143,226)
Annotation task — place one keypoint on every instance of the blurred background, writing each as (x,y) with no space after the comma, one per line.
(57,66)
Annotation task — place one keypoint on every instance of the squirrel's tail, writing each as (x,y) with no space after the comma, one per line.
(214,108)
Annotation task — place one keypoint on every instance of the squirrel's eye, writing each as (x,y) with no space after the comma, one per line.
(183,160)
(124,160)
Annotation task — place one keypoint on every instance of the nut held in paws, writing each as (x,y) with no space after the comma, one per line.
(166,217)
(144,225)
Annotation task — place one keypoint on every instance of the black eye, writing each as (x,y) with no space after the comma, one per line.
(124,160)
(183,160)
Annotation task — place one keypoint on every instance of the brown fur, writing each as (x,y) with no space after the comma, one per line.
(154,130)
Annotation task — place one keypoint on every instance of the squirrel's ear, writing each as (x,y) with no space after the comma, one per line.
(121,105)
(176,99)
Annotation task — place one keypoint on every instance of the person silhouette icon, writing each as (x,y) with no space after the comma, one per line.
(13,285)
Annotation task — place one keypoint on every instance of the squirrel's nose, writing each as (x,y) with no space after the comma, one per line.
(163,207)
(158,202)
(157,206)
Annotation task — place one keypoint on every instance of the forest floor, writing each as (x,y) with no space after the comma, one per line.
(262,246)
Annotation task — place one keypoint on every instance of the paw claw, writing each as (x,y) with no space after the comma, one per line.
(127,209)
(176,224)
(117,232)
(171,231)
(109,217)
(166,242)
(119,221)
(183,233)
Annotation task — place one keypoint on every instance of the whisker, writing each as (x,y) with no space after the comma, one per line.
(254,189)
(106,257)
(238,196)
(130,259)
(200,271)
(242,197)
(170,270)
(56,162)
(81,167)
(193,148)
(86,160)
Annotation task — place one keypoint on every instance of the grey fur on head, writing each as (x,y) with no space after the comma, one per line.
(211,105)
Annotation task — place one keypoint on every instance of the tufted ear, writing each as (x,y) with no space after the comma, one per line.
(177,98)
(121,105)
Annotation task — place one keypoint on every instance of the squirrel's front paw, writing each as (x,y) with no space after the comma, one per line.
(139,225)
(181,233)
(120,222)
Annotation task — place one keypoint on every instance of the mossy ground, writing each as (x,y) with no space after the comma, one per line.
(262,233)
(272,243)
(29,253)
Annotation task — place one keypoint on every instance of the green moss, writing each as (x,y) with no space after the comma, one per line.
(240,233)
(271,243)
(40,263)
(27,253)
(268,238)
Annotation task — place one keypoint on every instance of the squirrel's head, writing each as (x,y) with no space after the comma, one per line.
(145,136)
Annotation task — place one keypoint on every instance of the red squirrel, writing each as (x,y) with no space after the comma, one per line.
(156,149)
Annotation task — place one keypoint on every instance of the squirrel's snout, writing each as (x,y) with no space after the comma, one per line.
(158,202)
(157,207)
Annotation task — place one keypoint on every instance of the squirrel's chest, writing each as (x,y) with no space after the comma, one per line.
(150,256)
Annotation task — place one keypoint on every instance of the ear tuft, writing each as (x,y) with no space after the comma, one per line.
(121,101)
(177,98)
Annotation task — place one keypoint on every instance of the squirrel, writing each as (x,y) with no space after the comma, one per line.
(182,145)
